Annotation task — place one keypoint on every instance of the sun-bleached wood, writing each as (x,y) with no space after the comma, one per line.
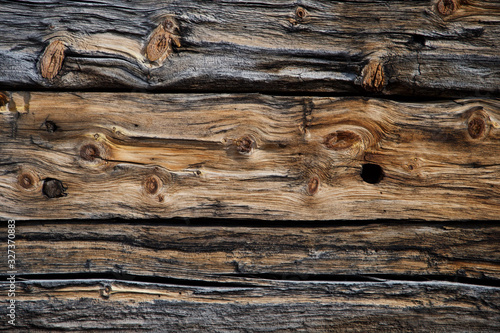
(98,155)
(418,48)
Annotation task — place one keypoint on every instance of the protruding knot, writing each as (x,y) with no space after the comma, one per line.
(160,41)
(52,59)
(373,76)
(447,7)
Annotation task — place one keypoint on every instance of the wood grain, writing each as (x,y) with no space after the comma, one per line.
(82,305)
(98,155)
(424,48)
(224,254)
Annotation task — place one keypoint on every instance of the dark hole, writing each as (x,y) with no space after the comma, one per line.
(418,39)
(50,126)
(372,173)
(53,188)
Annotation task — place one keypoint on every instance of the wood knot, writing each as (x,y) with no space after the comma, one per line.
(245,145)
(89,152)
(159,46)
(476,127)
(152,184)
(106,291)
(301,13)
(313,185)
(341,140)
(50,126)
(27,180)
(53,188)
(3,99)
(447,7)
(373,76)
(52,59)
(478,123)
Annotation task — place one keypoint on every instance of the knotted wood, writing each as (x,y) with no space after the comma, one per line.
(98,155)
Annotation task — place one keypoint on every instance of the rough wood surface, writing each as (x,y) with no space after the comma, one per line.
(220,253)
(98,155)
(279,307)
(441,48)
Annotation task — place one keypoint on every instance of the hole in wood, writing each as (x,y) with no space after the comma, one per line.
(53,188)
(418,40)
(372,173)
(50,126)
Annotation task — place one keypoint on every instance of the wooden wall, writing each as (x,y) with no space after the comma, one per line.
(273,166)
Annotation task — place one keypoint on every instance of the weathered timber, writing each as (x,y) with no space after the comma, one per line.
(241,254)
(82,305)
(98,155)
(440,48)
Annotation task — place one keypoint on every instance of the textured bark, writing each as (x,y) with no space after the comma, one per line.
(281,307)
(98,155)
(418,47)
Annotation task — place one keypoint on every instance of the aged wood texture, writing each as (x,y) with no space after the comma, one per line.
(98,155)
(440,48)
(279,307)
(224,254)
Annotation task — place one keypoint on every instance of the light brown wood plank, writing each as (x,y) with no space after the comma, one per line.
(418,47)
(79,305)
(247,156)
(227,254)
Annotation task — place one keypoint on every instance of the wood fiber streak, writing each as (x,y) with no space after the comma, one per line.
(247,156)
(78,305)
(235,254)
(424,48)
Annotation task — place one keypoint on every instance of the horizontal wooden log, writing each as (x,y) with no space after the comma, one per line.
(428,47)
(287,306)
(240,254)
(99,155)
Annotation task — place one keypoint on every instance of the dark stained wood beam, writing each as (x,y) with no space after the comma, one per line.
(411,48)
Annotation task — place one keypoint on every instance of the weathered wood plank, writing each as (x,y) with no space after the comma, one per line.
(227,254)
(392,47)
(283,307)
(98,155)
